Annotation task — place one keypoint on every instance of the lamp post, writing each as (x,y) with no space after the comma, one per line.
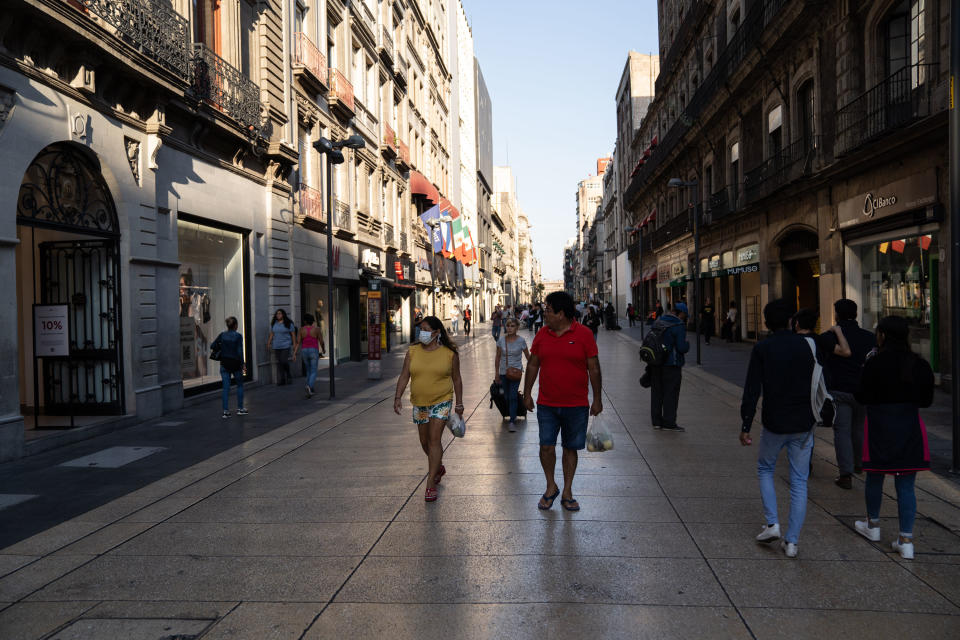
(677,183)
(955,224)
(334,155)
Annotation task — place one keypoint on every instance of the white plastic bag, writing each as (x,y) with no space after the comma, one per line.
(598,436)
(456,425)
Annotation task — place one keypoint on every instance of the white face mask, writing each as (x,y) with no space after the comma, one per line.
(426,337)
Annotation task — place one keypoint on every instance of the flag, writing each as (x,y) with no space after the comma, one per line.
(436,239)
(457,237)
(898,245)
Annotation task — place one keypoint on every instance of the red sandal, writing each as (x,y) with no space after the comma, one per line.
(440,474)
(430,495)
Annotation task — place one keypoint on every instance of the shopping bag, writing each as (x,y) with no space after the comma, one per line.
(456,425)
(598,436)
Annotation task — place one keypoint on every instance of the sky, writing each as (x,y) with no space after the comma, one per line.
(552,68)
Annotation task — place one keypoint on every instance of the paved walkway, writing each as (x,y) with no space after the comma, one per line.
(315,527)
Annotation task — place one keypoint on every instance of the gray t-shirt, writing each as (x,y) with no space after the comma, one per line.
(511,355)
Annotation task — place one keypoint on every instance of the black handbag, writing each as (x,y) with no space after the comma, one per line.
(215,349)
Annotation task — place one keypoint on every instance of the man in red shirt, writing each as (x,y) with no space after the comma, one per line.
(567,354)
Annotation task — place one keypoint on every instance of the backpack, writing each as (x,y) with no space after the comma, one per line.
(653,351)
(821,402)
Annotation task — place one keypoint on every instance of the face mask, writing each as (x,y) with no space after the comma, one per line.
(426,337)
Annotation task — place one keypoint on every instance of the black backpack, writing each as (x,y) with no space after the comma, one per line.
(653,351)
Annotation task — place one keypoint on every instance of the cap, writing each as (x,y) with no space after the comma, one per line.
(681,307)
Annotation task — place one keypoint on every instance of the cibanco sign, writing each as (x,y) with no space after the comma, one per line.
(873,204)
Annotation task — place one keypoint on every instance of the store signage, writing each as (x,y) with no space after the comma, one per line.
(398,269)
(732,271)
(914,192)
(370,258)
(51,330)
(714,262)
(663,273)
(747,255)
(678,269)
(373,334)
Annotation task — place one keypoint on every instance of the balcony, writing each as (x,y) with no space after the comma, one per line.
(389,236)
(365,122)
(781,168)
(222,86)
(343,220)
(672,229)
(724,202)
(340,96)
(311,204)
(400,72)
(389,142)
(150,27)
(696,12)
(900,100)
(386,46)
(309,63)
(403,154)
(369,230)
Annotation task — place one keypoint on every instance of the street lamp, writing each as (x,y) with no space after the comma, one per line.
(677,183)
(332,150)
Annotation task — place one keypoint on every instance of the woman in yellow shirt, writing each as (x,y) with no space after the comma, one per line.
(433,369)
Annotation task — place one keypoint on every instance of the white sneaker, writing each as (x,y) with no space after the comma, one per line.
(789,548)
(905,549)
(870,533)
(512,427)
(769,533)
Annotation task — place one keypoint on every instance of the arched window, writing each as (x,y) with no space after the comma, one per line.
(904,40)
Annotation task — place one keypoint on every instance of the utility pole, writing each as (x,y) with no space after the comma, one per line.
(955,224)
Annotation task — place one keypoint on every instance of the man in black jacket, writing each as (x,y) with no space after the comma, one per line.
(843,380)
(781,368)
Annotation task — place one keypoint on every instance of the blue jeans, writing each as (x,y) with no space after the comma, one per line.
(511,388)
(310,357)
(237,376)
(799,447)
(568,422)
(496,332)
(906,499)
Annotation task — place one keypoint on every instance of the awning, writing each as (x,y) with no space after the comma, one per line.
(650,274)
(649,218)
(635,283)
(420,185)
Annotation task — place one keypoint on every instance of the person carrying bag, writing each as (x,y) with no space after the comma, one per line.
(509,366)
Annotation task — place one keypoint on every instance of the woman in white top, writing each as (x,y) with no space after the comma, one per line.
(455,319)
(509,366)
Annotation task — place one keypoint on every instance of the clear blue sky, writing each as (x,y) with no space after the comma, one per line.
(552,68)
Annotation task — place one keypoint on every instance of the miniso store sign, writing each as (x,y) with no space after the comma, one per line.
(915,192)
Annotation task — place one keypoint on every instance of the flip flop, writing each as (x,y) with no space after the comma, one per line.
(548,498)
(569,504)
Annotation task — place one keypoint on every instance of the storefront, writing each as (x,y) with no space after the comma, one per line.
(733,276)
(314,300)
(892,253)
(212,288)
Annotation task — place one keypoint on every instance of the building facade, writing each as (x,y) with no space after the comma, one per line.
(811,138)
(160,176)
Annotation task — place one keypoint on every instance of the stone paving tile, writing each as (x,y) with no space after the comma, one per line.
(52,539)
(196,610)
(531,537)
(148,629)
(162,509)
(263,539)
(875,586)
(34,620)
(255,486)
(534,483)
(269,621)
(740,510)
(524,507)
(833,542)
(21,583)
(789,624)
(105,539)
(200,578)
(484,579)
(10,563)
(220,508)
(945,578)
(527,622)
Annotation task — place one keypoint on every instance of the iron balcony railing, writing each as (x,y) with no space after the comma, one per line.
(306,55)
(673,228)
(696,10)
(386,41)
(388,234)
(342,216)
(341,89)
(899,100)
(400,71)
(221,85)
(724,202)
(311,204)
(779,169)
(150,27)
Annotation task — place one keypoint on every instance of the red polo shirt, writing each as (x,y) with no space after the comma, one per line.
(563,365)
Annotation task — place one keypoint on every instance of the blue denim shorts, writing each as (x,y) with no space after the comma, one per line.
(569,422)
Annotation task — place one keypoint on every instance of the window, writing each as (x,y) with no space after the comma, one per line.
(735,163)
(775,131)
(248,42)
(708,180)
(806,115)
(904,35)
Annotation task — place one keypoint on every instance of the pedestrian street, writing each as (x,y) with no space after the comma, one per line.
(317,528)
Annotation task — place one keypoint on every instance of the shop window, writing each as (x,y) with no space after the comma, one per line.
(896,280)
(211,290)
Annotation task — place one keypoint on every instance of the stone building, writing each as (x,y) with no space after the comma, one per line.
(160,176)
(813,138)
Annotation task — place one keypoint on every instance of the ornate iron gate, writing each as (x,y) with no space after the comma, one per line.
(84,275)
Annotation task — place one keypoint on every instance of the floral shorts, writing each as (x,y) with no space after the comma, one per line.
(441,411)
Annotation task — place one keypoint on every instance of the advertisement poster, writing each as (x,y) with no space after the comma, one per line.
(51,330)
(188,346)
(373,334)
